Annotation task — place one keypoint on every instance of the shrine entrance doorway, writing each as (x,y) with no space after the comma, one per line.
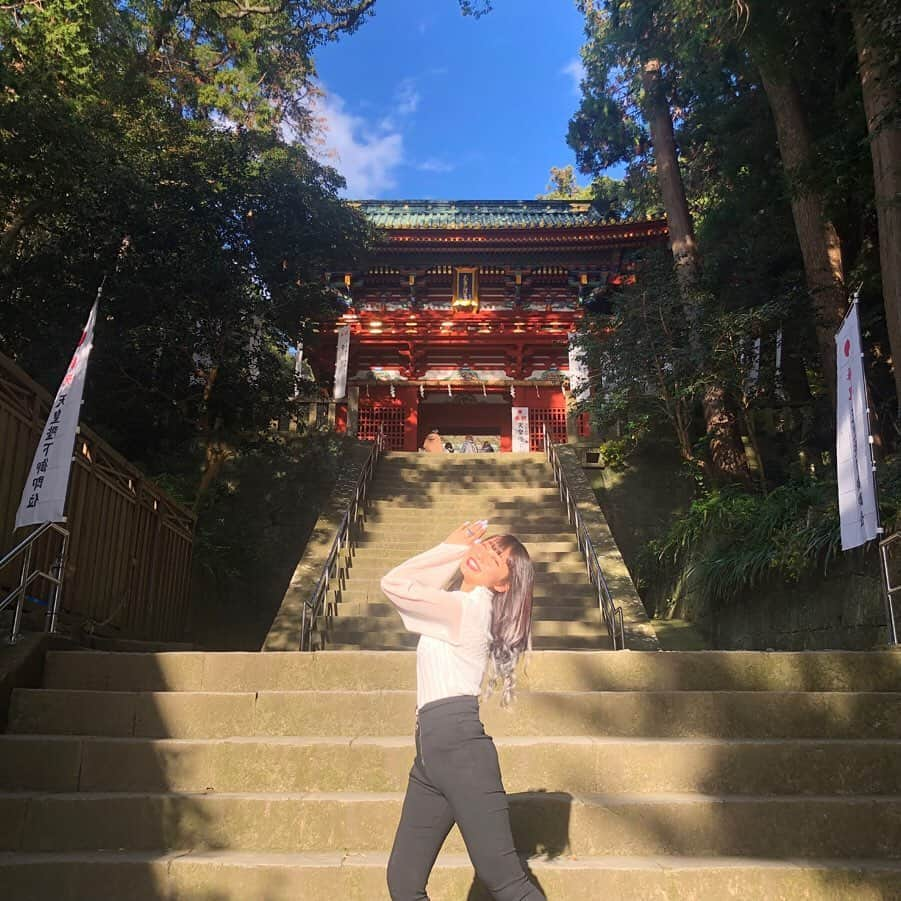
(485,417)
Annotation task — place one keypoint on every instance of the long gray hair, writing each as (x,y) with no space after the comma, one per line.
(511,617)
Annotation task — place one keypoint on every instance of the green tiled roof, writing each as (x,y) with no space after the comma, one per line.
(478,213)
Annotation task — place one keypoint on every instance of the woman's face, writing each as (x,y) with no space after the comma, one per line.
(486,564)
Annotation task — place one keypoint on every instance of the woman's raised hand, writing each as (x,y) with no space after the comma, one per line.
(468,533)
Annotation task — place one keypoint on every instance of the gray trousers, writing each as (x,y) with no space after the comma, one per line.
(456,779)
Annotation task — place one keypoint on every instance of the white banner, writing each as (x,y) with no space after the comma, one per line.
(856,478)
(44,497)
(298,367)
(341,360)
(520,430)
(579,384)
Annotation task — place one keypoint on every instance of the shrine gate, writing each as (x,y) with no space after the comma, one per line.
(462,317)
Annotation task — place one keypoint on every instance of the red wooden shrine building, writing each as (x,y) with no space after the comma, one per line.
(461,318)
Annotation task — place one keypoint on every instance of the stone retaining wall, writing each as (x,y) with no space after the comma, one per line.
(639,632)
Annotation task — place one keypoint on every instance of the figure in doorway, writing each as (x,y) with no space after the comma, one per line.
(487,447)
(448,447)
(469,446)
(433,443)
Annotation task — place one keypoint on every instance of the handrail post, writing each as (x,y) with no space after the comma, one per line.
(20,596)
(60,566)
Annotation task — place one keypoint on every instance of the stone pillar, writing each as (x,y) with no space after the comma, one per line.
(353,410)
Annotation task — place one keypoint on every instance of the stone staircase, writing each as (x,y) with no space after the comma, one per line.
(275,776)
(417,499)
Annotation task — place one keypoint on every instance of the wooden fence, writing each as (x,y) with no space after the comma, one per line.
(129,563)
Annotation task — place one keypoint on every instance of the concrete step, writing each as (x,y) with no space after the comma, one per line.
(384,610)
(431,530)
(372,566)
(442,462)
(655,714)
(541,628)
(549,595)
(619,824)
(447,516)
(715,671)
(406,543)
(438,493)
(536,475)
(493,504)
(404,641)
(238,876)
(546,584)
(586,764)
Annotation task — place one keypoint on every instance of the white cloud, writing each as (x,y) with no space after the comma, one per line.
(407,98)
(405,102)
(575,70)
(433,164)
(366,154)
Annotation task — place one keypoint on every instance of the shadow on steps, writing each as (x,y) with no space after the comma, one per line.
(548,839)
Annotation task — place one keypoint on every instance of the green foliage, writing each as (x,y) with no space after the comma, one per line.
(563,185)
(229,233)
(265,498)
(731,540)
(648,365)
(252,526)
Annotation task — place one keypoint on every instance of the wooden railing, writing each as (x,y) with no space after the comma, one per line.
(129,560)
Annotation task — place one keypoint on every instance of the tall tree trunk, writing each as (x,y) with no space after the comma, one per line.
(820,247)
(880,102)
(726,449)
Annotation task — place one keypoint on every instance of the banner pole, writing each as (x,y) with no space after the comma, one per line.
(883,542)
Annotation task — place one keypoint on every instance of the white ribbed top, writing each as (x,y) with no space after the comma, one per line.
(454,626)
(445,670)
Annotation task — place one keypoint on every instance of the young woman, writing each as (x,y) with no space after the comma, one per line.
(483,621)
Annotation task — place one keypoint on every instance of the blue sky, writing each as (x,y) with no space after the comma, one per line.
(423,102)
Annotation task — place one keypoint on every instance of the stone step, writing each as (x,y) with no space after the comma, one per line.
(372,566)
(386,538)
(389,640)
(471,507)
(385,492)
(437,523)
(547,594)
(654,714)
(238,876)
(546,584)
(817,671)
(541,628)
(620,824)
(381,764)
(537,476)
(541,610)
(424,529)
(406,543)
(442,461)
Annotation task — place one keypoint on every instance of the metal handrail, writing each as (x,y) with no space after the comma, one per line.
(343,539)
(611,614)
(890,590)
(28,575)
